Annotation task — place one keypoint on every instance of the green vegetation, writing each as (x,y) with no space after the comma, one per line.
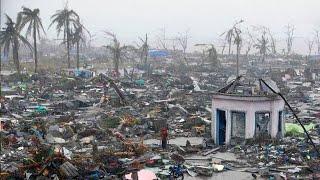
(296,130)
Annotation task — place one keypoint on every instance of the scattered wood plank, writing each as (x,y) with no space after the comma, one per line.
(211,151)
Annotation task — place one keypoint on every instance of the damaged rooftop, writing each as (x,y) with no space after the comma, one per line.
(249,87)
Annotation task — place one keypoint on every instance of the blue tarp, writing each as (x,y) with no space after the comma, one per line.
(83,73)
(158,53)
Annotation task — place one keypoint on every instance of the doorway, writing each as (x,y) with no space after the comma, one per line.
(280,124)
(221,127)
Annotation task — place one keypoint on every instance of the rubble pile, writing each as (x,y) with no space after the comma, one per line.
(65,127)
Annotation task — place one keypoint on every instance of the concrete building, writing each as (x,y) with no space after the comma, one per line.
(244,110)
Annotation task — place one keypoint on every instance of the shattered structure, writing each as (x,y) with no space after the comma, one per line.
(244,110)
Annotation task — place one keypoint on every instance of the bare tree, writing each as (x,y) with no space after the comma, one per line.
(249,43)
(273,42)
(317,39)
(162,39)
(183,41)
(144,48)
(238,43)
(310,44)
(173,41)
(289,40)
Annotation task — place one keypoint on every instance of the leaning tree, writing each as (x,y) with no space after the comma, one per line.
(10,36)
(289,39)
(32,20)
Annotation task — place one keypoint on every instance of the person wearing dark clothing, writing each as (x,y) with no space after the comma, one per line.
(164,136)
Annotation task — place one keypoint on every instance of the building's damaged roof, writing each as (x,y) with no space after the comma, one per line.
(249,87)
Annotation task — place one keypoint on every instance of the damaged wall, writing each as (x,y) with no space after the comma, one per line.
(249,105)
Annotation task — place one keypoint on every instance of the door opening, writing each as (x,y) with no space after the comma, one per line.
(221,127)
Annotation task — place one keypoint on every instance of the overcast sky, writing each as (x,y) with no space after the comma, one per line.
(206,19)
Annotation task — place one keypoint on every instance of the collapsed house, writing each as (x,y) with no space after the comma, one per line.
(246,109)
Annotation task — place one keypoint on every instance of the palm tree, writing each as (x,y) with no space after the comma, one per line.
(117,50)
(238,43)
(78,36)
(262,46)
(234,34)
(10,36)
(31,17)
(65,20)
(144,50)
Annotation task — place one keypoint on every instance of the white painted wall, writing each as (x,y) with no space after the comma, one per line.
(250,105)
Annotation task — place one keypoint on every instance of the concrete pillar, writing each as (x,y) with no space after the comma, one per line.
(214,125)
(274,120)
(283,129)
(228,126)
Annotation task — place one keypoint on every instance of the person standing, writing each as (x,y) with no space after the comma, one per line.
(164,137)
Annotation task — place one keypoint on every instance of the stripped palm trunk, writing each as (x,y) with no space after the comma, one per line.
(68,44)
(35,48)
(78,56)
(15,55)
(238,52)
(116,61)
